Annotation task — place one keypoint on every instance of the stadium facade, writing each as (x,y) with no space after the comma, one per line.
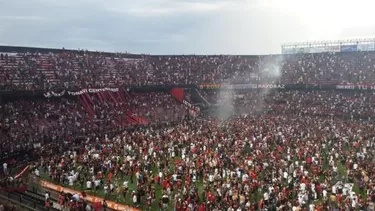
(329,46)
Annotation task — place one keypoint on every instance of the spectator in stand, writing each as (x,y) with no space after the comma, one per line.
(5,168)
(290,150)
(345,104)
(30,124)
(75,70)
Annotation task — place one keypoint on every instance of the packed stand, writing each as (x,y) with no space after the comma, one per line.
(157,107)
(253,163)
(27,124)
(325,103)
(69,70)
(38,71)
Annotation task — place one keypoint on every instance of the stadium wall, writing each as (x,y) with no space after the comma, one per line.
(7,95)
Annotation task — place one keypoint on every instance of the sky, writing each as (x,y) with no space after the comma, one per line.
(245,27)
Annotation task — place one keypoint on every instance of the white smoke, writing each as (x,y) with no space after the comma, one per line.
(267,71)
(270,69)
(225,103)
(270,72)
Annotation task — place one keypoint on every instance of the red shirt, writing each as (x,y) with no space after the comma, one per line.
(211,197)
(179,184)
(319,188)
(339,198)
(202,207)
(309,160)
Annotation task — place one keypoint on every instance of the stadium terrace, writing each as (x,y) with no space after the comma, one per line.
(84,130)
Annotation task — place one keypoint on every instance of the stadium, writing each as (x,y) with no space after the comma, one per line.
(85,130)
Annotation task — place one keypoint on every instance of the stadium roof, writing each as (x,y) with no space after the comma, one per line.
(328,42)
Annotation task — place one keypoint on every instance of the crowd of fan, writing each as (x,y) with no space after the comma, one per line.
(27,124)
(210,160)
(7,207)
(352,105)
(299,154)
(31,71)
(268,162)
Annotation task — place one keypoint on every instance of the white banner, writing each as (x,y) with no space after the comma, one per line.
(83,91)
(355,87)
(54,94)
(240,86)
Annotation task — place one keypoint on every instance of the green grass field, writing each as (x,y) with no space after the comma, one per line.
(132,186)
(158,188)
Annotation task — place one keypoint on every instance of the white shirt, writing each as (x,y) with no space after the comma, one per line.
(76,197)
(248,204)
(239,174)
(88,208)
(354,202)
(324,193)
(97,183)
(344,191)
(71,180)
(88,184)
(285,175)
(5,166)
(211,178)
(355,166)
(334,188)
(266,196)
(245,177)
